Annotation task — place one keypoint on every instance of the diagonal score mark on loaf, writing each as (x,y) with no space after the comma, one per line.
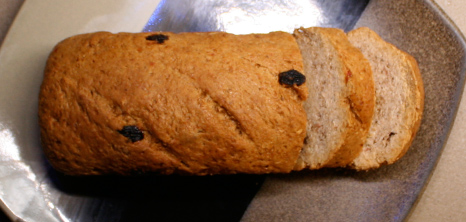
(224,111)
(168,148)
(204,94)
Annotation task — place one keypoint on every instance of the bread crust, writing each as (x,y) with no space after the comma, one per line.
(206,103)
(418,102)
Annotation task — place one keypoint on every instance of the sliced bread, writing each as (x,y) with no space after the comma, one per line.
(341,98)
(399,100)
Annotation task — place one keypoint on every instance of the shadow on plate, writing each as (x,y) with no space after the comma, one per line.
(163,198)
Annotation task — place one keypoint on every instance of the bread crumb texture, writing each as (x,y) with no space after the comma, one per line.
(399,96)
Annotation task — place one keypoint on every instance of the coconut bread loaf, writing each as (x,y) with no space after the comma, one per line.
(189,103)
(399,96)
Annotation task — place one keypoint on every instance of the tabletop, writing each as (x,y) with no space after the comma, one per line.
(444,196)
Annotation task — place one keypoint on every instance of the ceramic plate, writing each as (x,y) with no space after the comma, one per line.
(32,191)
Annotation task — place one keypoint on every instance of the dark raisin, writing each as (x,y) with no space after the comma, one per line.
(291,77)
(391,135)
(132,132)
(157,37)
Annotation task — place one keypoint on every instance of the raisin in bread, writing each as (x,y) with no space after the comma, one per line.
(189,103)
(341,98)
(399,96)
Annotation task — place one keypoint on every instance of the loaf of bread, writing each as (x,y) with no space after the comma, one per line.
(218,103)
(190,103)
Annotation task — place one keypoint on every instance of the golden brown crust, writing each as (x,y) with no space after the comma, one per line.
(361,97)
(417,101)
(207,103)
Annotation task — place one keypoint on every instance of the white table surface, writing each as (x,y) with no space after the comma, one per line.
(444,197)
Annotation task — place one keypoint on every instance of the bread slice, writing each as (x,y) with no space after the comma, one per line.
(341,98)
(399,96)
